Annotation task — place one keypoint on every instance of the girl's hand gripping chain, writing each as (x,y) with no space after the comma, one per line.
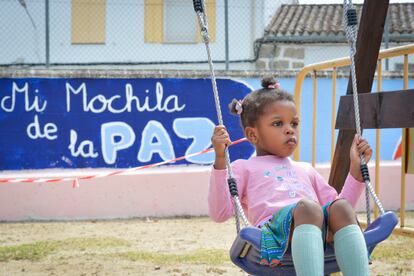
(220,141)
(359,146)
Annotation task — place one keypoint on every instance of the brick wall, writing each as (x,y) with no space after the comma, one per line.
(281,57)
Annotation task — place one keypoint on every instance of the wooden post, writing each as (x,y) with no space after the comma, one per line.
(371,27)
(410,151)
(393,109)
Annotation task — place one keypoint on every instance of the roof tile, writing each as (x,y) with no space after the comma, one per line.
(326,20)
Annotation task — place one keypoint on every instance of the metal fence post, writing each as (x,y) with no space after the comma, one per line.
(47,63)
(226,31)
(387,40)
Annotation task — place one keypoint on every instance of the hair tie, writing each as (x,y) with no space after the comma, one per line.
(239,107)
(275,85)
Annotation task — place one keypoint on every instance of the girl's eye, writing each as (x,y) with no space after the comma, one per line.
(295,124)
(278,124)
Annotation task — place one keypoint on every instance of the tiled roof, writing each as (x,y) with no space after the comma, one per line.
(326,21)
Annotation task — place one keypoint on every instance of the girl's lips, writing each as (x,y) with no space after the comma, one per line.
(291,141)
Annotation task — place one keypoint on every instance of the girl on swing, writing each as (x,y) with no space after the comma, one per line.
(289,200)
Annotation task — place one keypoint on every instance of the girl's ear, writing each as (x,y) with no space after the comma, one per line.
(251,135)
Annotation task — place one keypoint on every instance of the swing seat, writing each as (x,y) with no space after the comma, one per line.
(245,251)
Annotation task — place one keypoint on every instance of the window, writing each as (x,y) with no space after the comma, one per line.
(179,21)
(88,22)
(174,21)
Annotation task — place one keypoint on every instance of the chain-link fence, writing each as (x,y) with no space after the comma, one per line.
(147,34)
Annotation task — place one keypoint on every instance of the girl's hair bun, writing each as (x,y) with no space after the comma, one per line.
(232,107)
(268,81)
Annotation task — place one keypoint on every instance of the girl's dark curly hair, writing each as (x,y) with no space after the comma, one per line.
(254,103)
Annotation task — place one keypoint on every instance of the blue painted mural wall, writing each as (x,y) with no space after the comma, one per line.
(79,123)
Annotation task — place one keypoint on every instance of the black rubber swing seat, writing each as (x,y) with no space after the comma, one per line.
(245,251)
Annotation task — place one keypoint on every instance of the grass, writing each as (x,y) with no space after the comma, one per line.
(39,250)
(396,253)
(199,256)
(394,249)
(397,248)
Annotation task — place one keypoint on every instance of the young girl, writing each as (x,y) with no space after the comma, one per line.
(289,200)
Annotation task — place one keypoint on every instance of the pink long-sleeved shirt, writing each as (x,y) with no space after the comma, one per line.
(268,183)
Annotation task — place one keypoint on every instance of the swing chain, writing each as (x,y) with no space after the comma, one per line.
(199,8)
(202,20)
(350,21)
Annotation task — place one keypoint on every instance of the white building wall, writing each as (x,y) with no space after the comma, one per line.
(20,42)
(124,34)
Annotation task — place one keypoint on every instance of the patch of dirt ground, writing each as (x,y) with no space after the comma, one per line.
(173,246)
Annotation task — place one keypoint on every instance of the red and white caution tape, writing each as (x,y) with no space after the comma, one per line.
(105,174)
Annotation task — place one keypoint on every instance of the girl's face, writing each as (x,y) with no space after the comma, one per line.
(275,132)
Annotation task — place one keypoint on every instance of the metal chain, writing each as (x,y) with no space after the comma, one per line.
(202,19)
(351,35)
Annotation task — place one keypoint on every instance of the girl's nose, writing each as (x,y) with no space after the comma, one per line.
(289,130)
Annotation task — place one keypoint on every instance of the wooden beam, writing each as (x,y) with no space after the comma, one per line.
(378,110)
(371,28)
